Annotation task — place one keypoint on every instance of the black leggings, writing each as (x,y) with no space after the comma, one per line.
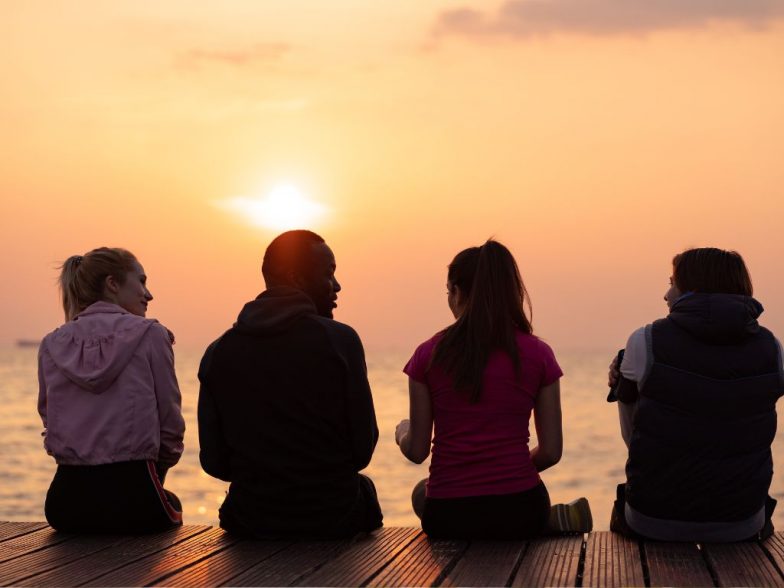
(124,497)
(521,515)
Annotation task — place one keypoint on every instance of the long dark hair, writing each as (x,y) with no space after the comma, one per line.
(494,295)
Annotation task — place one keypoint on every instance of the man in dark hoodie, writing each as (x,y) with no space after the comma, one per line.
(698,392)
(285,409)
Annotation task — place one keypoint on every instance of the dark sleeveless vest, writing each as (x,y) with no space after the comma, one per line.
(700,450)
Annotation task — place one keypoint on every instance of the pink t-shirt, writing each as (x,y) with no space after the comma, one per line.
(482,448)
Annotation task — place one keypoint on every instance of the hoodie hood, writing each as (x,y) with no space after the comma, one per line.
(94,348)
(274,310)
(717,318)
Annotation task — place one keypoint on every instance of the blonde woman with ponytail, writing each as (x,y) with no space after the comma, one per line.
(109,402)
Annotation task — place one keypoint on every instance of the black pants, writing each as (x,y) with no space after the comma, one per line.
(124,497)
(521,515)
(619,525)
(364,516)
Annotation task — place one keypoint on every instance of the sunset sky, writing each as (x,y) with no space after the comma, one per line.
(595,138)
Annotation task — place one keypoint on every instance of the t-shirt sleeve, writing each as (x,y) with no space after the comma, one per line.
(416,368)
(551,371)
(635,358)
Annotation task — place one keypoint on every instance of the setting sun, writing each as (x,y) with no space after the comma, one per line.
(284,207)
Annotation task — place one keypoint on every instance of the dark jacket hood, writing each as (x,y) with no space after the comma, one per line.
(717,318)
(274,310)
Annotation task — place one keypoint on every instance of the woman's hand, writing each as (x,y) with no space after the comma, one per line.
(402,430)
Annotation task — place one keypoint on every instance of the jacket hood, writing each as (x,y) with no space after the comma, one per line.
(718,318)
(274,310)
(93,348)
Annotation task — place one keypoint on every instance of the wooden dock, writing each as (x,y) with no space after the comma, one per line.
(32,554)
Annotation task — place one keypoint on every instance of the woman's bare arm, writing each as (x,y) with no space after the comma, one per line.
(549,432)
(414,434)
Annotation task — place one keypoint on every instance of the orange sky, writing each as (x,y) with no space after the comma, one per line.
(594,144)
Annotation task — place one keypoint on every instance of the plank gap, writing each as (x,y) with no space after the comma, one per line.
(15,530)
(190,564)
(646,574)
(772,559)
(578,579)
(139,572)
(56,560)
(711,570)
(389,562)
(31,543)
(517,564)
(450,565)
(366,555)
(80,571)
(319,565)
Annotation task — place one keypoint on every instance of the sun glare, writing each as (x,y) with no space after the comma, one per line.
(283,208)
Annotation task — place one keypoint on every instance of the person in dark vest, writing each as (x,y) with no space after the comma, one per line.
(285,409)
(698,392)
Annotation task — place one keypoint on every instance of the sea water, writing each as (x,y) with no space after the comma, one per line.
(592,465)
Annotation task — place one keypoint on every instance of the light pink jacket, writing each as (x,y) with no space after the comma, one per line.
(107,390)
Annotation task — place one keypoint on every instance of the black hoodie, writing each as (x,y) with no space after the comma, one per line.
(286,415)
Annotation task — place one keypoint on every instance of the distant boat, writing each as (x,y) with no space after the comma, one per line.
(27,343)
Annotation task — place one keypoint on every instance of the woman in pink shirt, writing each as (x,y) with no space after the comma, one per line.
(109,402)
(472,389)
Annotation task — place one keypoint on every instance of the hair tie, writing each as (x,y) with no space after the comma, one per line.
(78,259)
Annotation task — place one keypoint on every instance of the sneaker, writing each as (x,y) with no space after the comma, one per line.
(574,517)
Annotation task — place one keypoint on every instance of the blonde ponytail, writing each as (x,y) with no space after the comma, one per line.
(82,277)
(68,287)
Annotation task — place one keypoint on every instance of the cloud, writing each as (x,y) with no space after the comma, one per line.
(526,18)
(253,55)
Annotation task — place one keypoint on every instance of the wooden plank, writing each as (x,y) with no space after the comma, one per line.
(422,562)
(486,563)
(365,557)
(742,564)
(288,566)
(612,560)
(223,567)
(42,560)
(676,564)
(155,567)
(11,530)
(30,542)
(112,558)
(774,546)
(550,561)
